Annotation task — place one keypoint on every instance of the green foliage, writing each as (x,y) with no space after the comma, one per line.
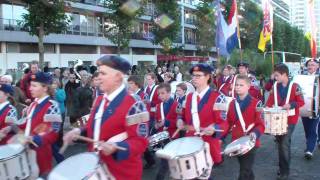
(205,31)
(171,32)
(51,15)
(122,22)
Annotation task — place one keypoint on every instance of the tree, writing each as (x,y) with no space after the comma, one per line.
(166,25)
(43,18)
(205,31)
(121,14)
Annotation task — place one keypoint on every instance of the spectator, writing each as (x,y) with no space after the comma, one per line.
(177,74)
(70,89)
(95,85)
(65,77)
(25,82)
(83,98)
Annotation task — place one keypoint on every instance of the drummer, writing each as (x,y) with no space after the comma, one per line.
(223,83)
(43,121)
(8,113)
(135,87)
(310,124)
(281,74)
(251,120)
(113,122)
(203,120)
(254,91)
(166,119)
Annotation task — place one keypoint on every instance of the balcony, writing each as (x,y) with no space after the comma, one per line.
(190,21)
(11,25)
(190,41)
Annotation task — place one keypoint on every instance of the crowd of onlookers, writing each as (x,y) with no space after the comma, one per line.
(74,88)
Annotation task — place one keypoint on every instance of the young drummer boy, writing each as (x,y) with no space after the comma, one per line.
(166,119)
(244,117)
(287,95)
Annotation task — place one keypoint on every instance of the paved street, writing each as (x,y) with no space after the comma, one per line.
(266,161)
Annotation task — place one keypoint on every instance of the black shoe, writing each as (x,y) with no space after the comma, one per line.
(149,165)
(282,177)
(308,155)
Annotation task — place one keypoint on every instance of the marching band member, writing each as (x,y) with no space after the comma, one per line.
(200,115)
(153,99)
(245,118)
(254,91)
(310,124)
(224,82)
(166,119)
(43,121)
(113,122)
(295,100)
(8,113)
(134,86)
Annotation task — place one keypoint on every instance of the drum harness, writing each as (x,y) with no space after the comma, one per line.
(291,112)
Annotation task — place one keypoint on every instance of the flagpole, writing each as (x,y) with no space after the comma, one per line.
(272,52)
(238,32)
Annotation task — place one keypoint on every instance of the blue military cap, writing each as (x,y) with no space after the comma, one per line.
(202,67)
(115,62)
(6,88)
(245,64)
(42,77)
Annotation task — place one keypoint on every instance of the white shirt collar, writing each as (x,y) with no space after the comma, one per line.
(115,93)
(203,92)
(152,86)
(2,105)
(39,101)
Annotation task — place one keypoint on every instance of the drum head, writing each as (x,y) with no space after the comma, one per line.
(9,150)
(75,167)
(243,144)
(184,146)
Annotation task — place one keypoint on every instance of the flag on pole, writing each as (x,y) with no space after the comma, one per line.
(226,33)
(266,33)
(313,38)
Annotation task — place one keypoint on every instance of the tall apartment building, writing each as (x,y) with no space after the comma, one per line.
(84,39)
(281,9)
(300,16)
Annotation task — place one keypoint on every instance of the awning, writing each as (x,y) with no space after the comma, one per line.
(181,58)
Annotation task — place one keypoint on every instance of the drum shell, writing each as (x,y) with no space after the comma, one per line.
(191,165)
(99,171)
(276,121)
(239,146)
(16,166)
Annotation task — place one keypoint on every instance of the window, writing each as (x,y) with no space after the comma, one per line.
(12,48)
(108,50)
(142,51)
(78,49)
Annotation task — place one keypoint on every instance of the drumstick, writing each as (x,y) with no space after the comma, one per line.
(63,148)
(89,140)
(175,133)
(33,143)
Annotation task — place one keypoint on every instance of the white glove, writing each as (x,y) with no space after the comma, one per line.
(253,136)
(180,124)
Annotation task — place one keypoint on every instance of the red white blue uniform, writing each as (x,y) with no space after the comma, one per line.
(296,99)
(208,116)
(223,84)
(8,114)
(170,115)
(43,125)
(251,116)
(114,121)
(151,94)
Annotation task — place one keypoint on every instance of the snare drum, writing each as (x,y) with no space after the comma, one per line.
(310,89)
(14,162)
(276,121)
(188,158)
(157,141)
(239,146)
(79,167)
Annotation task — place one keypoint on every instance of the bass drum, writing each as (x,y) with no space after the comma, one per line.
(310,89)
(190,87)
